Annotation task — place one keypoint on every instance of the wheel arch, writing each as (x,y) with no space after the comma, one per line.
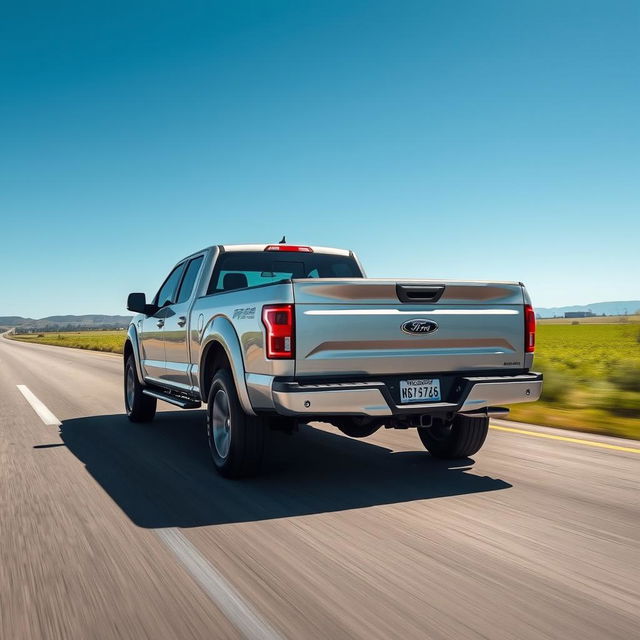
(220,347)
(132,347)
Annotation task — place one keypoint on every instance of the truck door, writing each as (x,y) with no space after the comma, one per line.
(176,329)
(152,341)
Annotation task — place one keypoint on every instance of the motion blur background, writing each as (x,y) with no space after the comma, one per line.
(471,139)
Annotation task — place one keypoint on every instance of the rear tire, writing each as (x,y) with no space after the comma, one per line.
(236,440)
(459,438)
(140,408)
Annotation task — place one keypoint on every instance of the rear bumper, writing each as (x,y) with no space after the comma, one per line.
(463,394)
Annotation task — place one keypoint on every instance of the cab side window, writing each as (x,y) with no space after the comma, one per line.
(189,280)
(167,293)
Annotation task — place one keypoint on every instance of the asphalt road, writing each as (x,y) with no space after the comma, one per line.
(115,530)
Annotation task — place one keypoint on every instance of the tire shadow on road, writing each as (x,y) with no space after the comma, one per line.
(161,475)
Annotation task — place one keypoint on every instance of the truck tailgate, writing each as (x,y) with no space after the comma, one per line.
(363,326)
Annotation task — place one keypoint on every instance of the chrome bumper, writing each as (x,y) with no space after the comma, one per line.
(485,393)
(373,398)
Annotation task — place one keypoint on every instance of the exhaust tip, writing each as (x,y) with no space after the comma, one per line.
(492,412)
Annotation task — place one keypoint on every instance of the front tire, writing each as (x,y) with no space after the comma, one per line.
(236,440)
(459,438)
(139,408)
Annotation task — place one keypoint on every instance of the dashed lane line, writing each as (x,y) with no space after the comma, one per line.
(237,611)
(38,406)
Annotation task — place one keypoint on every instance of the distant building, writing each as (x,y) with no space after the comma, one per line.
(579,314)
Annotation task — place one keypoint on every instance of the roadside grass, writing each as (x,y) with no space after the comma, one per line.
(592,373)
(591,378)
(111,341)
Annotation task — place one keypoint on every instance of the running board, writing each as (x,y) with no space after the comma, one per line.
(183,403)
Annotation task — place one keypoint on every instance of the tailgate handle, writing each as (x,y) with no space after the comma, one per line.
(419,293)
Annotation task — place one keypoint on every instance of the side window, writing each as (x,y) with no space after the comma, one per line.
(167,292)
(190,276)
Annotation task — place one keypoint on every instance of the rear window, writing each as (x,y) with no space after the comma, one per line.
(240,269)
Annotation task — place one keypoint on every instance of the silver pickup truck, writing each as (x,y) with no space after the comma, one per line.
(270,335)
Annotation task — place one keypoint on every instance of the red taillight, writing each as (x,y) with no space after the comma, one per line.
(288,247)
(529,329)
(278,320)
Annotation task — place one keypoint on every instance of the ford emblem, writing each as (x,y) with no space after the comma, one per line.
(418,326)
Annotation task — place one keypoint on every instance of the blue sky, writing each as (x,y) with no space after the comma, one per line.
(480,140)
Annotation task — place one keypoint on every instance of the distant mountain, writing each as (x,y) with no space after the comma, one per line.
(71,323)
(13,321)
(617,308)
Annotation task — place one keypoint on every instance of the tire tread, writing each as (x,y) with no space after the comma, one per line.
(248,433)
(144,407)
(466,438)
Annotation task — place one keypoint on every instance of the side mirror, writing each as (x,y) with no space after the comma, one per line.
(137,302)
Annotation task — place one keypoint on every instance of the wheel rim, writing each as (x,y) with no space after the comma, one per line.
(221,424)
(130,388)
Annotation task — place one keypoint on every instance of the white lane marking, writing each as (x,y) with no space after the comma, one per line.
(38,406)
(237,611)
(397,312)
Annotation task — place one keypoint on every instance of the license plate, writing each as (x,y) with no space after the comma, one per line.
(426,390)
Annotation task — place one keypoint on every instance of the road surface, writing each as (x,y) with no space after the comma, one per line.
(115,530)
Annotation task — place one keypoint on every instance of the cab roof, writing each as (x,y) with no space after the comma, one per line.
(263,247)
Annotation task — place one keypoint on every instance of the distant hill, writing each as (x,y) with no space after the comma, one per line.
(616,308)
(8,322)
(13,321)
(65,323)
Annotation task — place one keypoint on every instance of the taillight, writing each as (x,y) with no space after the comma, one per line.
(278,320)
(529,329)
(288,247)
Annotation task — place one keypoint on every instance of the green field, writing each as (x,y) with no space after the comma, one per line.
(592,373)
(592,378)
(112,341)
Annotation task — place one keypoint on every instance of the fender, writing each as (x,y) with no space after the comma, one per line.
(132,336)
(220,330)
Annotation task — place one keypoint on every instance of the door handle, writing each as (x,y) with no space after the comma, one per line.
(182,321)
(160,324)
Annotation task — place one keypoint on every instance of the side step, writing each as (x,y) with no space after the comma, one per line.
(183,403)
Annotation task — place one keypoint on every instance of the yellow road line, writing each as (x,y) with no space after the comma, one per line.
(591,443)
